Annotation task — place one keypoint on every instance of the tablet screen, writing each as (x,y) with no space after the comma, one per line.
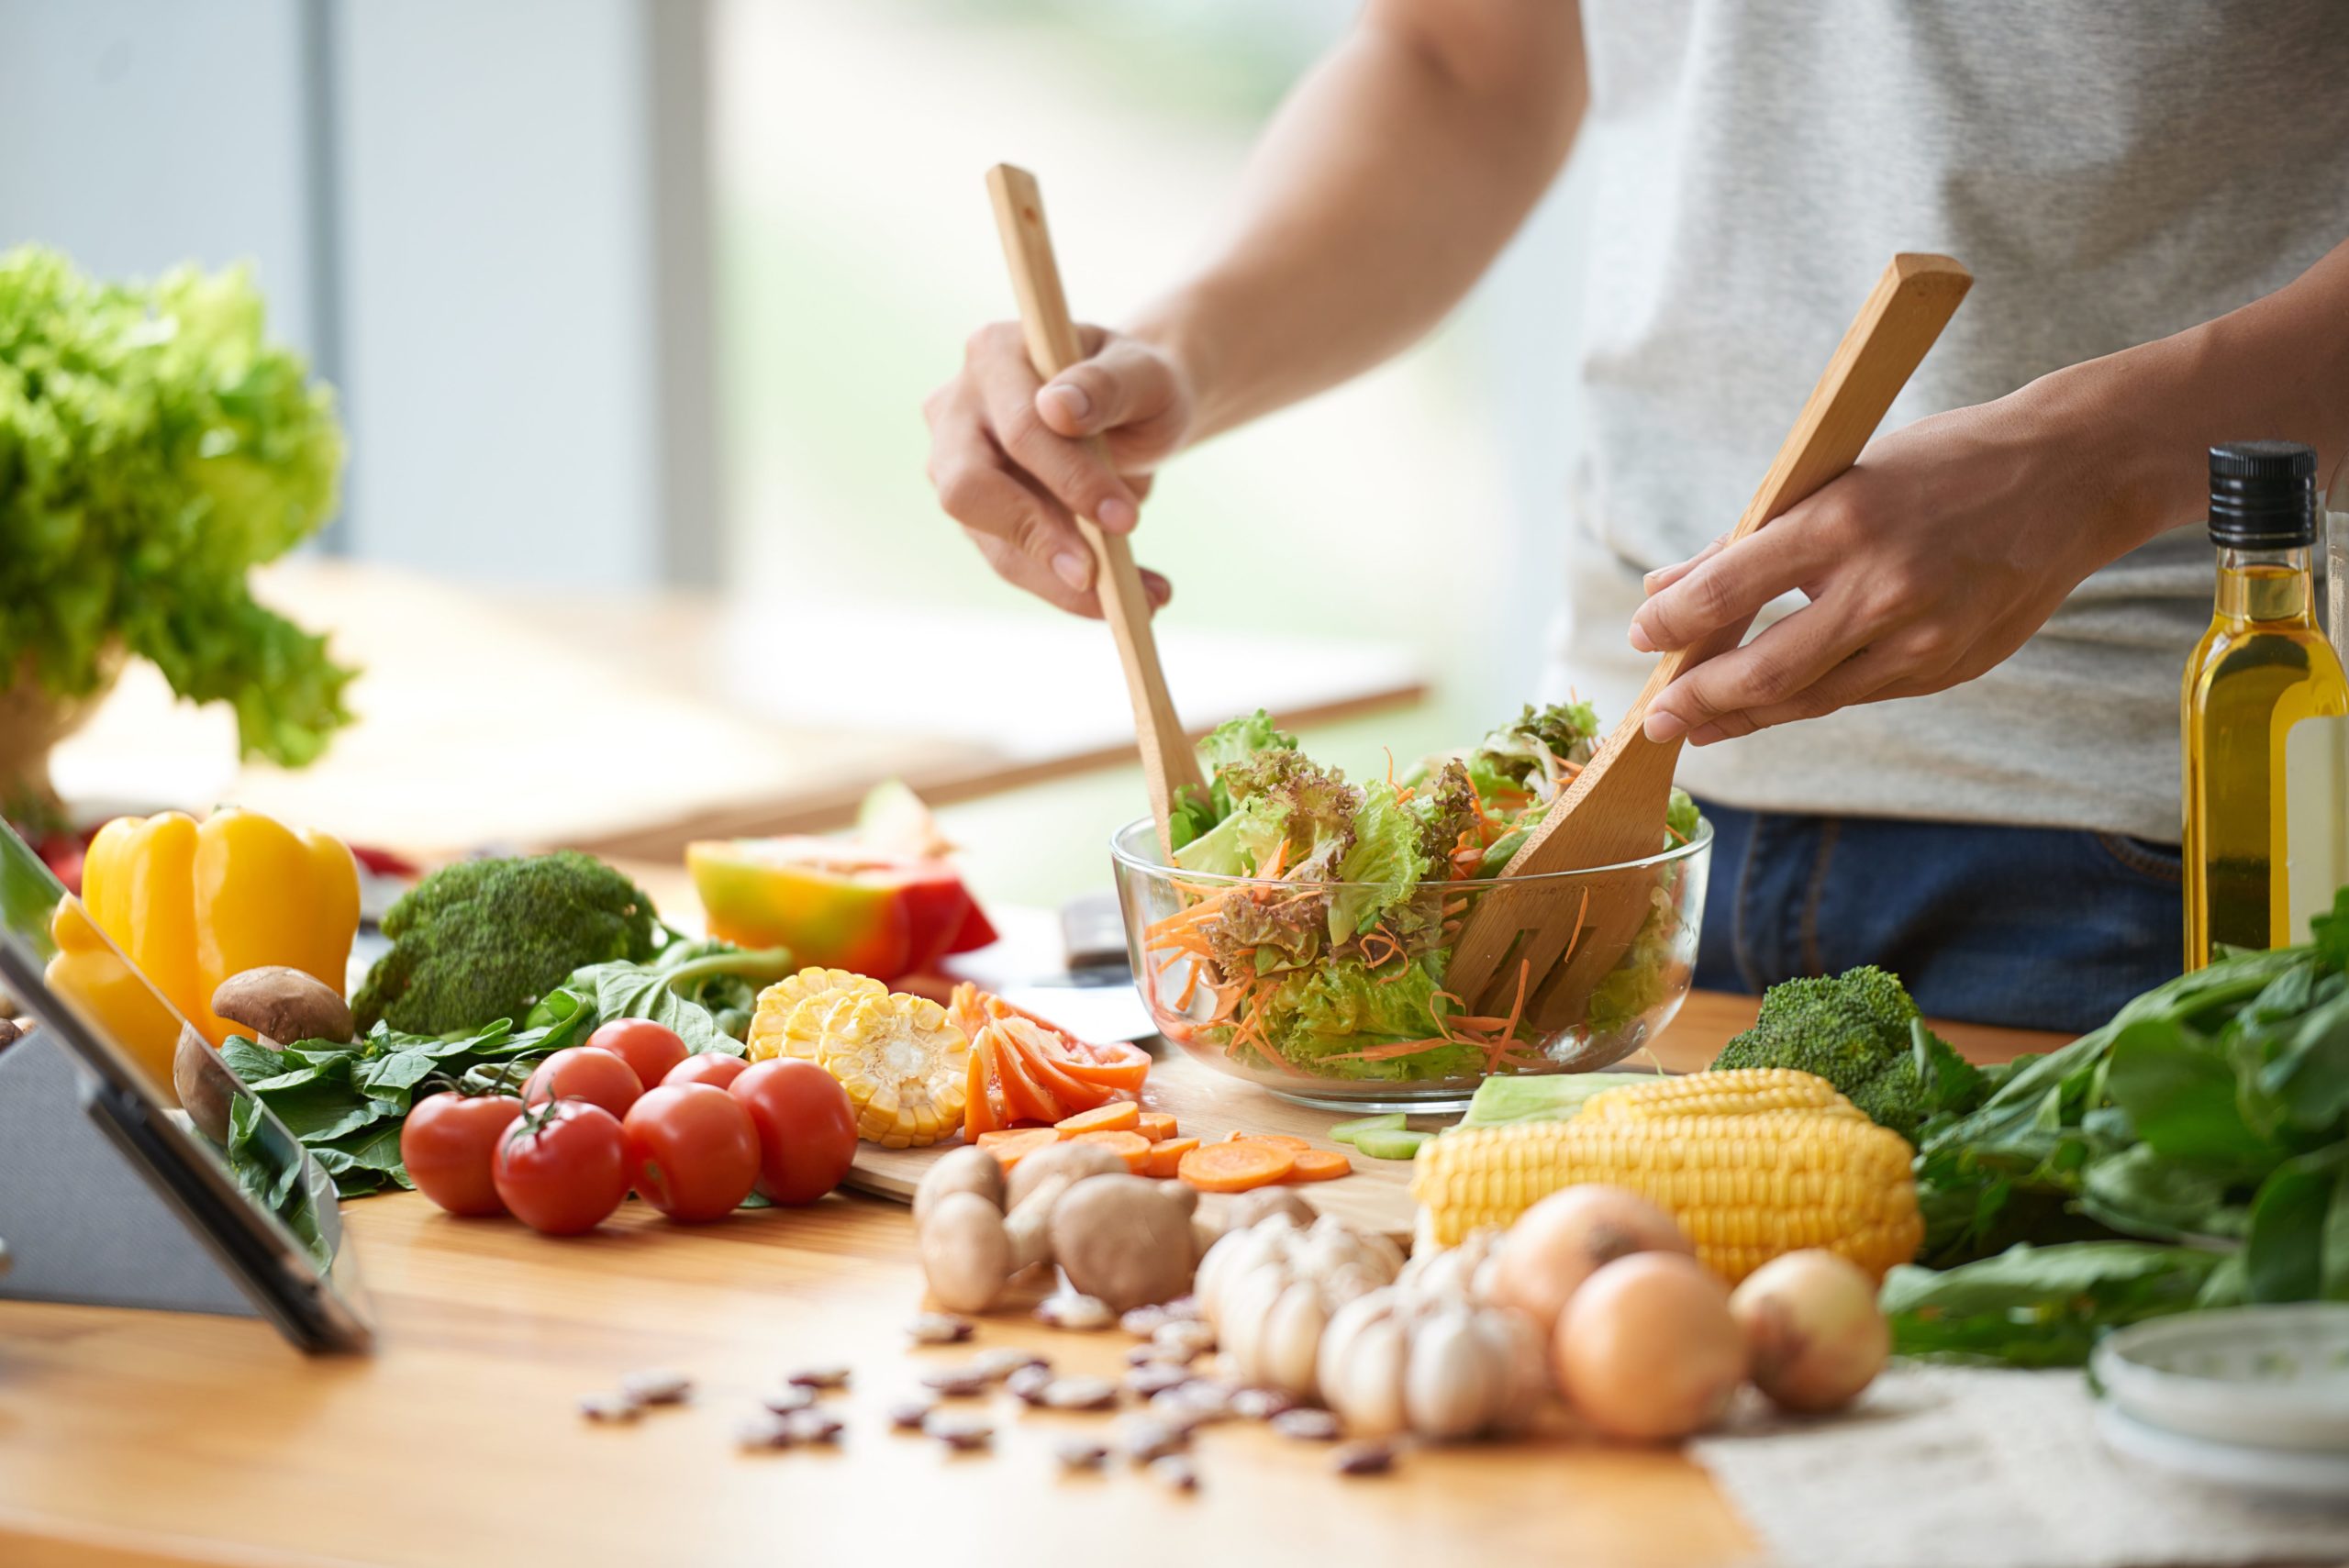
(165,1073)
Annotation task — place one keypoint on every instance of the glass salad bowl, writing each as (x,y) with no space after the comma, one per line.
(1246,974)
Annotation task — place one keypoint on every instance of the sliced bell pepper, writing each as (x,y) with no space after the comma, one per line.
(832,902)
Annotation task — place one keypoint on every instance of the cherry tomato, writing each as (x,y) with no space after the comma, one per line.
(807,1127)
(649,1048)
(712,1067)
(692,1152)
(562,1167)
(446,1144)
(586,1073)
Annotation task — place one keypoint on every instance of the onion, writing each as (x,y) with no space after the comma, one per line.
(1557,1243)
(1647,1349)
(1812,1329)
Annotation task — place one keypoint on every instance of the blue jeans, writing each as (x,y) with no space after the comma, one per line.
(2035,928)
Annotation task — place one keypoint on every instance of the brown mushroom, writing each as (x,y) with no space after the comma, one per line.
(206,1087)
(964,1170)
(1072,1162)
(1126,1240)
(284,1006)
(968,1252)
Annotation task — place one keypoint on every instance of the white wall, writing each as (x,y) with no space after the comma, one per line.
(136,134)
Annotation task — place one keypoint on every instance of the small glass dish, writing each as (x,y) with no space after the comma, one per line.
(1243,974)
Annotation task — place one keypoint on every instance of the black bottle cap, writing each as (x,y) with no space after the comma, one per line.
(2263,495)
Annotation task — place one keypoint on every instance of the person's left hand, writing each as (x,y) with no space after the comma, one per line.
(1933,559)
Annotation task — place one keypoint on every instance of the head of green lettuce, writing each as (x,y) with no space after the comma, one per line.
(154,447)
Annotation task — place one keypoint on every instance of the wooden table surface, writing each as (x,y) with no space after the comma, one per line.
(140,1438)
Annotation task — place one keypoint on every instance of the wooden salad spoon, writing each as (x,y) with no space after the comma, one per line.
(1169,765)
(1545,948)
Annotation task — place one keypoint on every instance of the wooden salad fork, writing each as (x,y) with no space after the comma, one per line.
(1542,949)
(1169,765)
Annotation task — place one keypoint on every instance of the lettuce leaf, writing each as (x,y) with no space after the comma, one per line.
(1343,1007)
(153,448)
(1385,861)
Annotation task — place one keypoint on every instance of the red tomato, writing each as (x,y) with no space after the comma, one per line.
(712,1067)
(586,1073)
(692,1152)
(807,1127)
(445,1143)
(563,1168)
(649,1048)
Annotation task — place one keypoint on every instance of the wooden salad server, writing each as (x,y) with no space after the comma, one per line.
(1559,943)
(1168,761)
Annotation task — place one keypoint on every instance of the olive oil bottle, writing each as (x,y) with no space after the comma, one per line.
(2262,668)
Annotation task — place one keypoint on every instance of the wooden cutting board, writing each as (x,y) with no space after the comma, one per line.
(1209,1105)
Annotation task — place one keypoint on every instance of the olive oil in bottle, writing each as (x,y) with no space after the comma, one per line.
(2262,668)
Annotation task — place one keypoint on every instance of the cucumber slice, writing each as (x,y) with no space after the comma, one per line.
(1391,1143)
(1347,1131)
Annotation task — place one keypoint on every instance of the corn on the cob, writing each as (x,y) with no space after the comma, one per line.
(1748,1181)
(790,1016)
(1743,1091)
(903,1064)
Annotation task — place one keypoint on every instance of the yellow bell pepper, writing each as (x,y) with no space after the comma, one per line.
(193,904)
(88,973)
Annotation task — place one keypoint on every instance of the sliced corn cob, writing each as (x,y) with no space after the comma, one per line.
(903,1064)
(791,1012)
(1746,1187)
(1742,1091)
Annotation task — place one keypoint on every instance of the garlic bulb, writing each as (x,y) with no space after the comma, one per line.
(1270,1289)
(1424,1357)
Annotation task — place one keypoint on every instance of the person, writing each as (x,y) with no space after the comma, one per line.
(1950,745)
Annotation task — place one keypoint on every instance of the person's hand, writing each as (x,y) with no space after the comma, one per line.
(1935,558)
(1009,463)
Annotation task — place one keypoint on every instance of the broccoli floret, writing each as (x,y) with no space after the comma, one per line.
(481,940)
(1859,1031)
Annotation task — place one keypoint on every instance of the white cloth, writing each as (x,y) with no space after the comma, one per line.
(1941,1467)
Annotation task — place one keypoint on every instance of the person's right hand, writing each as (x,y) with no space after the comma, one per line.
(1009,462)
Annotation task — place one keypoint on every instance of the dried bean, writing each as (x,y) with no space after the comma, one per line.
(1002,1360)
(1175,1471)
(957,1381)
(1081,1453)
(765,1429)
(1027,1384)
(1142,1321)
(1156,1377)
(614,1408)
(1080,1313)
(1184,1337)
(907,1415)
(941,1328)
(1364,1459)
(1307,1425)
(812,1425)
(960,1433)
(1261,1403)
(828,1375)
(1080,1394)
(789,1397)
(1146,1440)
(658,1386)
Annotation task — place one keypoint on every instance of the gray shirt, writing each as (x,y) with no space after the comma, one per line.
(2112,173)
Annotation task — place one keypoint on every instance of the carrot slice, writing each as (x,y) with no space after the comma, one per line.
(1036,1046)
(1285,1139)
(1113,1064)
(979,1118)
(1166,1156)
(1234,1167)
(1118,1116)
(1031,1101)
(1011,1146)
(1321,1165)
(1131,1147)
(1156,1126)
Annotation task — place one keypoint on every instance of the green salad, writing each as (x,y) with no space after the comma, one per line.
(1329,961)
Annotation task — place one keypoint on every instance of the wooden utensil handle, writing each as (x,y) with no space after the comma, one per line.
(1904,313)
(1168,759)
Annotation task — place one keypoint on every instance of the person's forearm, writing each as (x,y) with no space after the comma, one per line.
(1382,190)
(2277,368)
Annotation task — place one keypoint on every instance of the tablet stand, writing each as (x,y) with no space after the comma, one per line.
(82,1224)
